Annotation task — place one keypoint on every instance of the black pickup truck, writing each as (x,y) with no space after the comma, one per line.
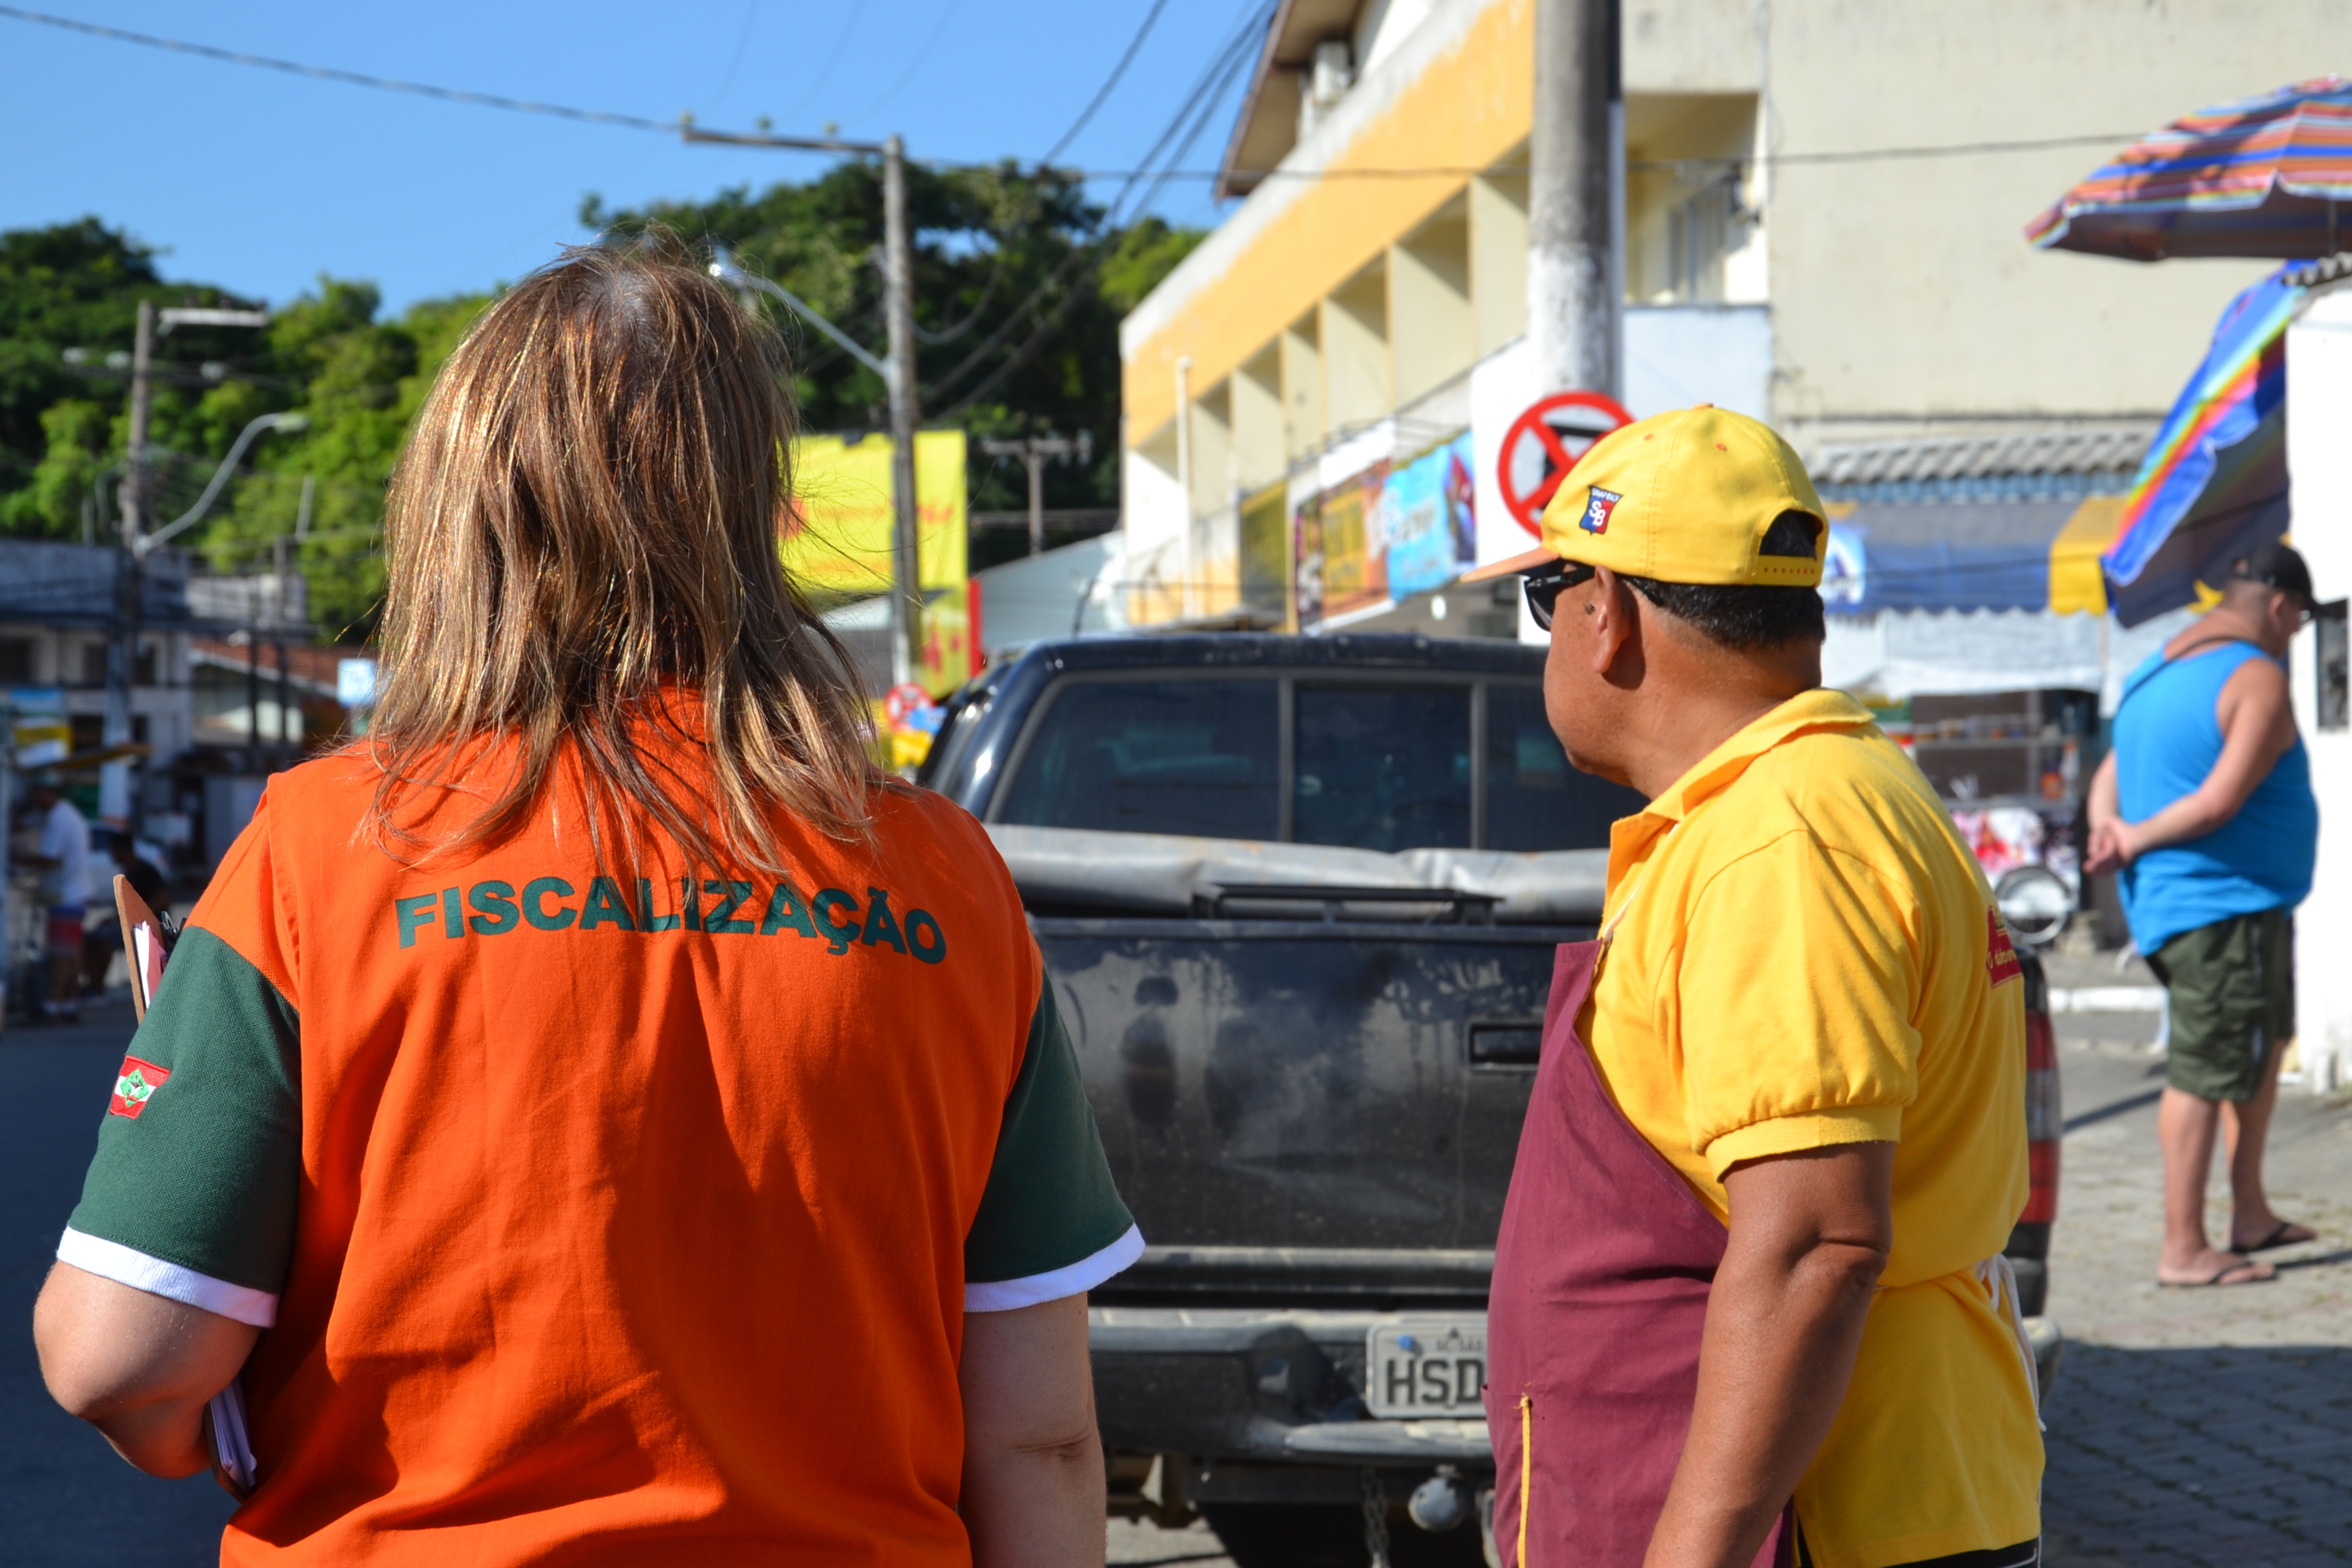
(1300,897)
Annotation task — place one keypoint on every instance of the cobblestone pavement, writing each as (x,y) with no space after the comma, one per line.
(2192,1426)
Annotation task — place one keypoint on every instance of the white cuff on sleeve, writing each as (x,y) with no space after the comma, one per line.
(1075,1279)
(128,1266)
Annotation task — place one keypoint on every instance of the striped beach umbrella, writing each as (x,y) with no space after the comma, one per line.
(2266,176)
(2214,482)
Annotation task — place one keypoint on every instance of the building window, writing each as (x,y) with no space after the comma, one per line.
(1698,236)
(93,664)
(15,660)
(2328,629)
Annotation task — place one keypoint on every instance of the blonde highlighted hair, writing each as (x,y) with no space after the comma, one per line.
(581,542)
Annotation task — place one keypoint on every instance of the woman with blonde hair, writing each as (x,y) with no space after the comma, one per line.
(598,1119)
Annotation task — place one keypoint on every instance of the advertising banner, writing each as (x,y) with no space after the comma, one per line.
(837,545)
(42,736)
(1428,518)
(1390,531)
(951,653)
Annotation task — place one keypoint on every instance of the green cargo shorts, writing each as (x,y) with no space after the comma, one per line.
(2231,989)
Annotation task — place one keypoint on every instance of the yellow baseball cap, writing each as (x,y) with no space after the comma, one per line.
(1684,497)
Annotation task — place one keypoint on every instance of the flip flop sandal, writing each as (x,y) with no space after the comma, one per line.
(2220,1279)
(2279,1238)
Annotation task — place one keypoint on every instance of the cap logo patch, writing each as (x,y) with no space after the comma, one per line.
(1599,503)
(136,1086)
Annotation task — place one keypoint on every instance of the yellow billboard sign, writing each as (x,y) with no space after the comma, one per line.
(837,542)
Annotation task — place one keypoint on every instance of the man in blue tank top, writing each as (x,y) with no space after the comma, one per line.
(2204,808)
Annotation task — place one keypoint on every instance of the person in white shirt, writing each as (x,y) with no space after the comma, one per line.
(63,856)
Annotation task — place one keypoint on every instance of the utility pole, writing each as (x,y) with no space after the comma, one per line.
(280,560)
(1574,293)
(898,368)
(278,629)
(1035,452)
(122,647)
(129,567)
(898,274)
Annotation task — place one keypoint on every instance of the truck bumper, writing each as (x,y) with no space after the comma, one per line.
(1245,1389)
(1241,1386)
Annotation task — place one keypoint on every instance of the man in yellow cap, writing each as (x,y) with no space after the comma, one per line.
(1750,1304)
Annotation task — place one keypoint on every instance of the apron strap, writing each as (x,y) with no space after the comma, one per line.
(1608,931)
(1997,1275)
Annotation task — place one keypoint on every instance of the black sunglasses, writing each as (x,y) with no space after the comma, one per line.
(1546,584)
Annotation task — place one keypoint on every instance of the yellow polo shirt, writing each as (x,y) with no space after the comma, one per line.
(1810,957)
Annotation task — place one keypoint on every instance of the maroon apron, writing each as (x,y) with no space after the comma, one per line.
(1602,1275)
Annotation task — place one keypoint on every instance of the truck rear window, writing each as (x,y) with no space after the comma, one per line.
(1200,757)
(1534,801)
(1383,767)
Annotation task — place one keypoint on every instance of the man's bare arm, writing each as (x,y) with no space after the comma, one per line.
(138,1367)
(2104,806)
(1032,1464)
(2257,724)
(1809,1234)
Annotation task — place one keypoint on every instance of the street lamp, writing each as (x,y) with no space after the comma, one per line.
(899,315)
(140,543)
(723,268)
(898,374)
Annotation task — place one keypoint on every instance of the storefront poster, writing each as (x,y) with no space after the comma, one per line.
(948,648)
(1306,586)
(1387,533)
(1427,520)
(1355,562)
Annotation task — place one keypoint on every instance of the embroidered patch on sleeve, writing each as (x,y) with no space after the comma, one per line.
(136,1087)
(2000,958)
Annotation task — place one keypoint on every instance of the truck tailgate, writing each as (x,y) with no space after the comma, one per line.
(1293,1084)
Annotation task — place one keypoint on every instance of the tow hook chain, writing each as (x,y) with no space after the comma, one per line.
(1376,1517)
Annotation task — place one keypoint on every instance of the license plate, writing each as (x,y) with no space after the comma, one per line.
(1425,1366)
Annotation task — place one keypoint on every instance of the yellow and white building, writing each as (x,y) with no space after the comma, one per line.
(1824,205)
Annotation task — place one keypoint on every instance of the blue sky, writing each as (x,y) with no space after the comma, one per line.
(260,181)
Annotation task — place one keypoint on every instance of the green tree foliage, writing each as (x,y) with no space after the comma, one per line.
(1019,286)
(72,286)
(361,381)
(68,307)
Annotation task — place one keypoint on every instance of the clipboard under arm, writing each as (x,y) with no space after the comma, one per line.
(147,939)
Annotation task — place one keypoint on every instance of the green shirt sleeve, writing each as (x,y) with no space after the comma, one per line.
(1050,1205)
(204,1174)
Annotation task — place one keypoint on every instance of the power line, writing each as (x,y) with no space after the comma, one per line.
(1647,165)
(1214,83)
(1091,256)
(939,28)
(825,72)
(329,73)
(1102,94)
(743,42)
(674,127)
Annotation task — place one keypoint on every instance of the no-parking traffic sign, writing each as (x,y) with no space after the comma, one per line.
(1545,442)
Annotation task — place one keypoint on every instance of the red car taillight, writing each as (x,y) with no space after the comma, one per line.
(2046,1119)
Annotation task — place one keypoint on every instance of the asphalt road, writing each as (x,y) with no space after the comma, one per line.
(2186,1427)
(64,1495)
